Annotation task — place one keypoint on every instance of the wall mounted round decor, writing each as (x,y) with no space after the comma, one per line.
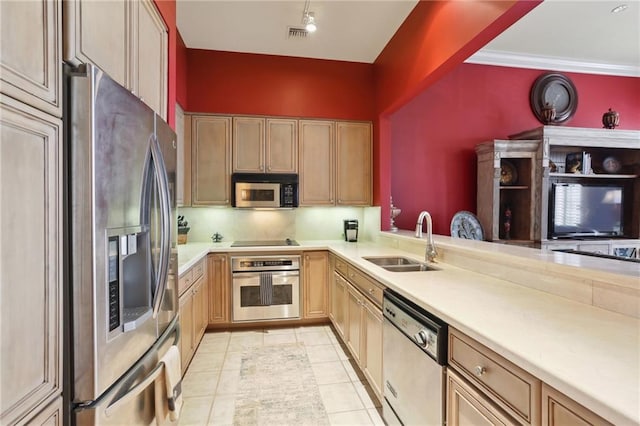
(557,91)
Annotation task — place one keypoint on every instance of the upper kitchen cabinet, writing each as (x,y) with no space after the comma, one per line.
(335,163)
(316,163)
(31,265)
(31,49)
(210,160)
(353,163)
(126,39)
(265,145)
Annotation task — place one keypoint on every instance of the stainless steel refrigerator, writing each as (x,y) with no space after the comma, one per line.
(122,269)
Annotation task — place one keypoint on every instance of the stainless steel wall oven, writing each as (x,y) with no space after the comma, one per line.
(265,287)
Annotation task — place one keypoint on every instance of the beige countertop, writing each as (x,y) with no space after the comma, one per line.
(588,353)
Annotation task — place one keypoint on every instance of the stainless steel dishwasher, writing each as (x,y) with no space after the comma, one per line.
(415,354)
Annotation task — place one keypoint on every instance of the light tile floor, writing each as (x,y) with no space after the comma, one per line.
(211,382)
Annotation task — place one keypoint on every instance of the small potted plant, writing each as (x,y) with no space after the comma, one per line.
(183,230)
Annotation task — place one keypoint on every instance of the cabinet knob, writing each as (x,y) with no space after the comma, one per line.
(480,370)
(370,291)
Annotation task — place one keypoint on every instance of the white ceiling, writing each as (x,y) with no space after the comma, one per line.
(562,35)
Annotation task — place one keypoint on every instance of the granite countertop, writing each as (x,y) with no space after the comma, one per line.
(590,354)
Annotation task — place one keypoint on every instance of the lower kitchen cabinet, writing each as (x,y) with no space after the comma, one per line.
(338,305)
(467,406)
(356,314)
(560,410)
(31,212)
(219,289)
(315,284)
(194,310)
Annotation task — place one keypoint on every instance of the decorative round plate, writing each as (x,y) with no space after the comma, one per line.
(466,225)
(556,90)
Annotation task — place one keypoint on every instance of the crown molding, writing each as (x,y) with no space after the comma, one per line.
(518,60)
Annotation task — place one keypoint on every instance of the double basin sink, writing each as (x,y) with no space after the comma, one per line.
(399,264)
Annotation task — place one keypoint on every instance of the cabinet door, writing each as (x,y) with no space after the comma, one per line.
(353,159)
(219,288)
(248,145)
(560,410)
(338,307)
(180,160)
(99,32)
(466,406)
(198,312)
(31,49)
(210,160)
(315,284)
(50,416)
(149,56)
(316,163)
(373,346)
(354,323)
(186,329)
(282,146)
(31,263)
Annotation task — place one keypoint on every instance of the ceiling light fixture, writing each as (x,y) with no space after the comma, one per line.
(620,8)
(308,18)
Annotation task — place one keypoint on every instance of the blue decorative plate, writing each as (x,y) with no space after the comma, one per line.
(466,225)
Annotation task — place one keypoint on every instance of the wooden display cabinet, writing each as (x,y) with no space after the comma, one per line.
(519,197)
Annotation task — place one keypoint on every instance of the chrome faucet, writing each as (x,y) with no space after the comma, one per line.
(431,253)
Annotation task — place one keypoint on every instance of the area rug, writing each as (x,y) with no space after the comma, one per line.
(293,399)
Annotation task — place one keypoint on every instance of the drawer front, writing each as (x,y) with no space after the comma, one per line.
(341,266)
(512,388)
(198,271)
(366,285)
(185,281)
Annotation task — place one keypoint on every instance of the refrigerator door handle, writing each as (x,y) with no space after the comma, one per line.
(151,377)
(165,230)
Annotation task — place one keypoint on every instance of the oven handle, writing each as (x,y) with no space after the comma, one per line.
(274,274)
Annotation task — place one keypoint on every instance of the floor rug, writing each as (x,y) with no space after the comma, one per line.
(293,399)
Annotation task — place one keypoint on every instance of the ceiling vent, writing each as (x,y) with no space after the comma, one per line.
(297,33)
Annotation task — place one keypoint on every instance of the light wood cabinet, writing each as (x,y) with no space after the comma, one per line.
(193,309)
(353,163)
(248,152)
(126,39)
(31,213)
(149,56)
(315,284)
(281,145)
(466,406)
(219,289)
(338,306)
(187,337)
(31,52)
(356,314)
(508,386)
(210,160)
(180,157)
(51,415)
(560,410)
(372,324)
(265,145)
(335,163)
(316,163)
(354,322)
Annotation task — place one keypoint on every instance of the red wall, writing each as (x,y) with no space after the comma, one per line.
(167,9)
(241,83)
(433,162)
(181,72)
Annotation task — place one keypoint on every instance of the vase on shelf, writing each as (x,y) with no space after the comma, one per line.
(394,213)
(610,119)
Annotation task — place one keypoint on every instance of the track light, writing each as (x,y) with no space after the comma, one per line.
(310,22)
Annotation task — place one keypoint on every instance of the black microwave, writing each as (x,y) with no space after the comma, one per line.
(264,190)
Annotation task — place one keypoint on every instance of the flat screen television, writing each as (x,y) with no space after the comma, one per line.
(586,210)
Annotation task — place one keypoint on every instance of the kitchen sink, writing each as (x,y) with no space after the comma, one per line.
(400,264)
